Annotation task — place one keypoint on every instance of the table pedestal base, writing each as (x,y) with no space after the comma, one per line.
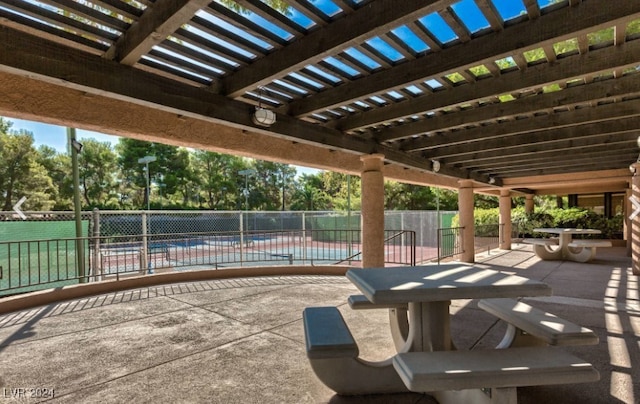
(547,253)
(399,323)
(506,395)
(435,332)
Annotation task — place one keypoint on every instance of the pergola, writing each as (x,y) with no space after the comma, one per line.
(523,96)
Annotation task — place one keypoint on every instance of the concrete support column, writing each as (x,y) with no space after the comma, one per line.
(635,222)
(372,183)
(505,219)
(465,207)
(528,203)
(626,227)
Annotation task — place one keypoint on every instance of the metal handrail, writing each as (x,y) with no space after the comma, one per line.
(37,264)
(394,236)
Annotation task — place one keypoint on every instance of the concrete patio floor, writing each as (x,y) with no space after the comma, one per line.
(241,340)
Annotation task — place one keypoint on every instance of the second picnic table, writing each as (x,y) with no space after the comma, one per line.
(567,248)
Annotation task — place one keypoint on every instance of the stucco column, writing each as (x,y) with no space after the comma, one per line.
(465,209)
(635,222)
(626,224)
(528,203)
(372,183)
(505,219)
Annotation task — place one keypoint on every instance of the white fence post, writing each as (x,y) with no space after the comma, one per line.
(145,247)
(97,261)
(304,237)
(242,238)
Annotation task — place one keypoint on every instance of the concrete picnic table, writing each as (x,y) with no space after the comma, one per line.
(428,360)
(567,248)
(428,291)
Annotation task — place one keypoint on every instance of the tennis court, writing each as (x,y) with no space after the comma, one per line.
(127,246)
(212,251)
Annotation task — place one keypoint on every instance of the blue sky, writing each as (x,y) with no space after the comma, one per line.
(56,137)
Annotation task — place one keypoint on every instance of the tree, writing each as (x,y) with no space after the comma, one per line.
(485,201)
(399,196)
(279,5)
(133,178)
(97,167)
(21,174)
(344,190)
(309,195)
(274,182)
(58,166)
(175,172)
(216,176)
(171,170)
(5,125)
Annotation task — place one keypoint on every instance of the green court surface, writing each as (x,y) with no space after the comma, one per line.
(38,255)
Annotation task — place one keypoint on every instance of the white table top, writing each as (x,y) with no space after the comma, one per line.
(567,231)
(445,282)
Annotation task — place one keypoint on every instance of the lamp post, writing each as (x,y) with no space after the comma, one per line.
(160,186)
(284,181)
(246,174)
(146,160)
(75,148)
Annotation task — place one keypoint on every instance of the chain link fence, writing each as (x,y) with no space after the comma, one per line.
(42,249)
(130,223)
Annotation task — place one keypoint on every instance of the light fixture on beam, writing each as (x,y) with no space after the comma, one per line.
(77,146)
(263,117)
(492,180)
(435,166)
(632,167)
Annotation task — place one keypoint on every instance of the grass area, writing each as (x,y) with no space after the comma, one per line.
(38,255)
(35,265)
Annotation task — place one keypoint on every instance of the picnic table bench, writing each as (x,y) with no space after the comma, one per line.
(587,248)
(453,374)
(541,241)
(529,326)
(331,346)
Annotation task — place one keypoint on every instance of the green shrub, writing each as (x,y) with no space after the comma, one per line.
(336,228)
(486,221)
(481,217)
(579,218)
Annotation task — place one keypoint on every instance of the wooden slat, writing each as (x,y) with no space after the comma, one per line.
(377,18)
(518,38)
(578,65)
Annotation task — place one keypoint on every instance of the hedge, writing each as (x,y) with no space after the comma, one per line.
(571,217)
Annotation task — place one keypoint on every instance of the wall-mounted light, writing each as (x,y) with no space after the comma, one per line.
(77,146)
(492,180)
(435,166)
(264,117)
